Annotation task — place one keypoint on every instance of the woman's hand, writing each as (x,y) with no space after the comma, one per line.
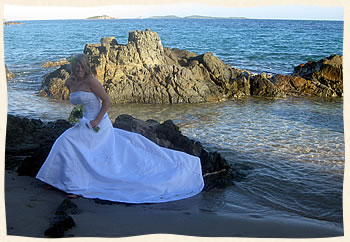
(94,123)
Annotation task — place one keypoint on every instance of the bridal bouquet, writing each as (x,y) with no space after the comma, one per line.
(76,114)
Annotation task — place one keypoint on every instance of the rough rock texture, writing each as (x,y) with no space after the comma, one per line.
(28,142)
(322,78)
(59,224)
(53,83)
(261,86)
(143,71)
(168,135)
(9,75)
(61,62)
(327,74)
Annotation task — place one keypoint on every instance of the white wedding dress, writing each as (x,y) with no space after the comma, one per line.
(117,165)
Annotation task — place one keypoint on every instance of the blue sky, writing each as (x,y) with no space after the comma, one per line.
(21,12)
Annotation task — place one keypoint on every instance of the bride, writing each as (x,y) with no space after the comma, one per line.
(113,164)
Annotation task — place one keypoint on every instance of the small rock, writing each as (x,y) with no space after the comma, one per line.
(59,224)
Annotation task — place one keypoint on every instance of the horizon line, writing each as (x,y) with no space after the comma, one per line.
(174,17)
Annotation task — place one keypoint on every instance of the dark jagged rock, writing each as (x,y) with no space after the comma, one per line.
(261,86)
(296,85)
(59,224)
(62,221)
(325,74)
(28,143)
(168,135)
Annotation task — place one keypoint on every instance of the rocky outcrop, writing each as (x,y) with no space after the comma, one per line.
(322,78)
(9,75)
(261,86)
(53,83)
(30,140)
(28,143)
(60,62)
(143,71)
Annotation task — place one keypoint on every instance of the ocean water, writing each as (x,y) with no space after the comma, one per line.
(292,150)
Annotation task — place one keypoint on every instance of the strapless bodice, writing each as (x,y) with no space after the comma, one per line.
(92,103)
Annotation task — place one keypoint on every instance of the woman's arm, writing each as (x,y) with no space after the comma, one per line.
(67,83)
(97,88)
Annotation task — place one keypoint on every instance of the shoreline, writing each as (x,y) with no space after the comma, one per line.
(29,207)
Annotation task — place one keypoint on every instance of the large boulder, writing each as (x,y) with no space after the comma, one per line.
(261,86)
(143,71)
(28,143)
(53,84)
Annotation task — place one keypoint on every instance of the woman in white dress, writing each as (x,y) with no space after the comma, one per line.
(113,164)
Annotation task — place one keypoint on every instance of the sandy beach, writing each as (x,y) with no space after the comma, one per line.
(30,205)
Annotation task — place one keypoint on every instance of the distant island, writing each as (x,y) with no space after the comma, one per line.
(193,17)
(11,23)
(101,17)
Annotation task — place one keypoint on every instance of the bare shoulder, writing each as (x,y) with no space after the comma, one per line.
(93,81)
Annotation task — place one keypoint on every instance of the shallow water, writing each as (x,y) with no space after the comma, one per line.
(294,147)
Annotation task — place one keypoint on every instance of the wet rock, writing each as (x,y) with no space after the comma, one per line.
(59,224)
(9,75)
(296,85)
(261,86)
(28,142)
(62,221)
(40,137)
(60,62)
(168,135)
(325,76)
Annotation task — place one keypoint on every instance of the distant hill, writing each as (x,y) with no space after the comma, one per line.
(101,17)
(193,17)
(165,17)
(209,17)
(11,23)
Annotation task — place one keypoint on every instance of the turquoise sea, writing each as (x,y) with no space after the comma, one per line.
(291,149)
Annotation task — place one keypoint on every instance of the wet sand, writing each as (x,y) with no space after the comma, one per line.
(30,205)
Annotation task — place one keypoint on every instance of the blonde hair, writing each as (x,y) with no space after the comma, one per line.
(83,61)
